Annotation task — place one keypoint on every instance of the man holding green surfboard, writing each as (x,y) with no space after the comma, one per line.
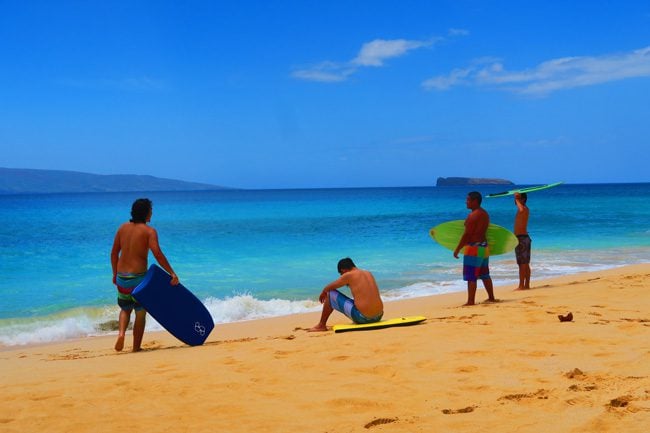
(476,252)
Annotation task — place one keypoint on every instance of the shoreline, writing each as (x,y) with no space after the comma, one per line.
(509,366)
(541,283)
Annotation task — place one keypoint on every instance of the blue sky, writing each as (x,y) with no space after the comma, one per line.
(300,94)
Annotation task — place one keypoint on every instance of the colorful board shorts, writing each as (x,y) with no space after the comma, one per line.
(476,261)
(522,251)
(126,282)
(345,305)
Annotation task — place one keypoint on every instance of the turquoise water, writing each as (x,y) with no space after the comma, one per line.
(251,254)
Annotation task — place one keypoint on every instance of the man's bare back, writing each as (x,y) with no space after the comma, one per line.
(133,240)
(364,291)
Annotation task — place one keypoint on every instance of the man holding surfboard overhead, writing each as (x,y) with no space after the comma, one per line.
(366,307)
(129,255)
(522,251)
(476,252)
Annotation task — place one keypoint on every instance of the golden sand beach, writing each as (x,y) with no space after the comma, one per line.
(510,366)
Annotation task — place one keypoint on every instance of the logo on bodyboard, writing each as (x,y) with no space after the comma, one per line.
(199,329)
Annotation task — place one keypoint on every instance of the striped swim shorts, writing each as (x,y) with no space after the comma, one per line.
(476,261)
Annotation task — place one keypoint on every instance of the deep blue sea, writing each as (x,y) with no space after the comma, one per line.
(257,253)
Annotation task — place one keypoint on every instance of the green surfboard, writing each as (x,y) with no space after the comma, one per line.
(500,240)
(522,190)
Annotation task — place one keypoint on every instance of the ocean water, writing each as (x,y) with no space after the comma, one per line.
(258,253)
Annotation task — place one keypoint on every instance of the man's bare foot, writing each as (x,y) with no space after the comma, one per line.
(492,300)
(136,349)
(522,288)
(317,328)
(567,318)
(119,344)
(467,304)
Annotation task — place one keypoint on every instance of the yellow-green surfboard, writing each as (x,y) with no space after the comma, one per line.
(400,321)
(526,190)
(500,240)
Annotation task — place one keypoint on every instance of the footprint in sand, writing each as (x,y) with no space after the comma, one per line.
(285,337)
(340,358)
(541,394)
(466,369)
(279,354)
(622,401)
(582,388)
(576,373)
(636,320)
(467,409)
(380,421)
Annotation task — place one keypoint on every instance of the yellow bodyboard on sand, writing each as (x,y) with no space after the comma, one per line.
(400,321)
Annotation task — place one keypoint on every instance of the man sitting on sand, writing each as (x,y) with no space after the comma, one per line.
(366,307)
(131,246)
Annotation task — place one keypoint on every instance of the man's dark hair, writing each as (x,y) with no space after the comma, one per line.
(475,195)
(140,210)
(523,197)
(345,264)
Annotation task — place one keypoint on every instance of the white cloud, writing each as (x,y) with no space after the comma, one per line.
(328,72)
(458,32)
(550,76)
(455,77)
(375,52)
(371,54)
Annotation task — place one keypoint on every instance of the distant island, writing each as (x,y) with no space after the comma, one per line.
(32,181)
(466,181)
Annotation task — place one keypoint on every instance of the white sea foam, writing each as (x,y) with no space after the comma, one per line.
(47,330)
(79,323)
(247,307)
(423,289)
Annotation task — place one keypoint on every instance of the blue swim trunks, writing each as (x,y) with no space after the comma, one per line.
(126,282)
(476,261)
(345,305)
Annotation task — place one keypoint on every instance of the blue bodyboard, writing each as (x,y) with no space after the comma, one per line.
(174,307)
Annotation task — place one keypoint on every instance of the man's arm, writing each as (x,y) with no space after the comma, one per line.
(115,255)
(340,282)
(461,243)
(154,246)
(520,205)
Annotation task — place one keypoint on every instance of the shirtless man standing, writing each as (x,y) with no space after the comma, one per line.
(366,307)
(522,251)
(476,251)
(131,246)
